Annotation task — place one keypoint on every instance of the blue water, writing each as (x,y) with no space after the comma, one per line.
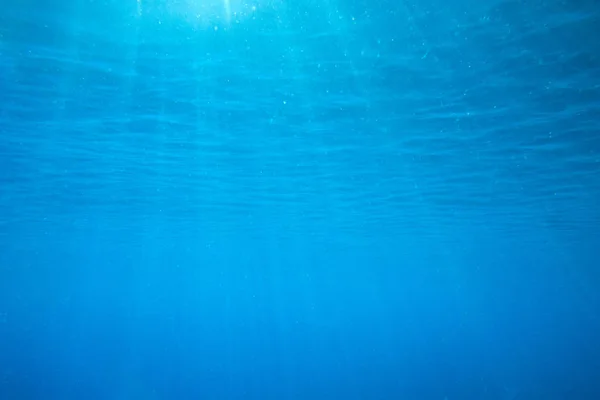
(351,199)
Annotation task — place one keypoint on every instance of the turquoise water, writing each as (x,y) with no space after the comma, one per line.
(264,200)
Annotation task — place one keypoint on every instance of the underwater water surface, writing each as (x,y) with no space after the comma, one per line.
(299,200)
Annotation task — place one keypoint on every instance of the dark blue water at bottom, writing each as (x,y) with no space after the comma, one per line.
(318,200)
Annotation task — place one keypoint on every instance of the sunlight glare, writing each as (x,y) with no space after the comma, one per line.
(209,14)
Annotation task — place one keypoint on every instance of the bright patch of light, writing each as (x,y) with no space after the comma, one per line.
(209,14)
(227,4)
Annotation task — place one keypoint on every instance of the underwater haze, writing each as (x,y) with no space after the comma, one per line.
(276,199)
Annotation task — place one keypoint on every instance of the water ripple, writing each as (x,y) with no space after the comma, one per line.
(345,132)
